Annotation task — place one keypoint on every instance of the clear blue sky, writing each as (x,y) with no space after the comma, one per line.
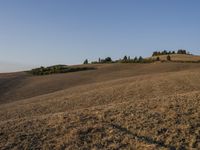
(45,32)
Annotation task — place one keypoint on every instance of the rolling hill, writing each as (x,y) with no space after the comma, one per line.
(180,57)
(116,106)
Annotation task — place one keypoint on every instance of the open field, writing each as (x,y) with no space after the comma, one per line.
(180,57)
(116,106)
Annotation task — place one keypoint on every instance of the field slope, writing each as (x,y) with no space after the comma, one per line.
(180,57)
(116,106)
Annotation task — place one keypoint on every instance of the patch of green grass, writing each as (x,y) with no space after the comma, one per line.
(57,69)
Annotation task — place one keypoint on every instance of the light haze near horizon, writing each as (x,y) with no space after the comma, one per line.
(47,32)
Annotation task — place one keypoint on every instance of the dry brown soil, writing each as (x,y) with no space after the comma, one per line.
(117,106)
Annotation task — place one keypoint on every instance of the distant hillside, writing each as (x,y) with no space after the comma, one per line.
(179,57)
(176,56)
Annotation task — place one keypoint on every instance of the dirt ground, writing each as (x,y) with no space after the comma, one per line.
(117,106)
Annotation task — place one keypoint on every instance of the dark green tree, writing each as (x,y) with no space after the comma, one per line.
(181,51)
(86,61)
(140,59)
(125,59)
(135,60)
(108,59)
(155,53)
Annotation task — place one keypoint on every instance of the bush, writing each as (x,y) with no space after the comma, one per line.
(168,57)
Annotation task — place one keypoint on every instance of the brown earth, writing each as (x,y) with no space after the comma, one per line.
(117,106)
(179,57)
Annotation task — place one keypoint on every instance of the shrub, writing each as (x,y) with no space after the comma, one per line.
(168,57)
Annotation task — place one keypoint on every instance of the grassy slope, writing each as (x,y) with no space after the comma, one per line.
(137,106)
(180,57)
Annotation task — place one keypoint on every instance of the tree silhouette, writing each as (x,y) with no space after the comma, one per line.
(125,58)
(135,59)
(108,59)
(181,51)
(86,61)
(140,59)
